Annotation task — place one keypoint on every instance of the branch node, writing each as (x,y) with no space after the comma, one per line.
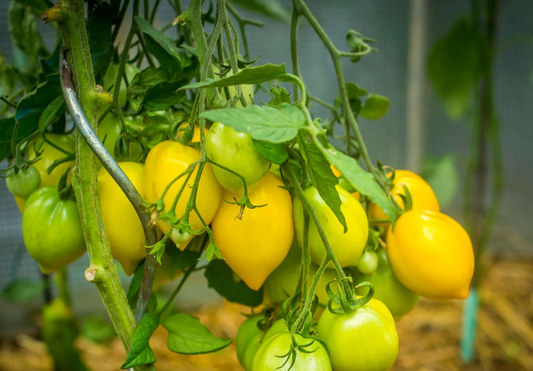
(102,97)
(90,274)
(54,14)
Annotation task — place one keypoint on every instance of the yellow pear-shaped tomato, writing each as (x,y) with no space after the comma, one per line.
(256,244)
(165,162)
(124,229)
(421,193)
(431,254)
(348,246)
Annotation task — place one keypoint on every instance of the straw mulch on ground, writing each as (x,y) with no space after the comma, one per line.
(429,336)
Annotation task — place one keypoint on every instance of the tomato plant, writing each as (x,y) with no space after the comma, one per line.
(255,193)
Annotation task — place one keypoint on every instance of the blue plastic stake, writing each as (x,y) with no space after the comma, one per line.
(468,338)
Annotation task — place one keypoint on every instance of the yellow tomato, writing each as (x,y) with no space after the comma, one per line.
(256,244)
(49,154)
(124,229)
(196,136)
(421,193)
(165,162)
(348,246)
(431,254)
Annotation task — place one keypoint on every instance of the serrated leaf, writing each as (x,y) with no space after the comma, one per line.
(220,278)
(376,106)
(173,59)
(249,75)
(22,291)
(322,178)
(140,352)
(453,67)
(273,152)
(187,335)
(361,180)
(52,113)
(266,124)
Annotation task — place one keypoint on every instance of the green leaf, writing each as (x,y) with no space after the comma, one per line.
(40,98)
(453,67)
(150,76)
(23,29)
(22,291)
(220,277)
(443,176)
(162,96)
(187,335)
(140,352)
(361,180)
(135,286)
(281,95)
(52,113)
(322,178)
(271,8)
(99,34)
(376,106)
(182,259)
(173,59)
(273,152)
(36,6)
(249,75)
(266,124)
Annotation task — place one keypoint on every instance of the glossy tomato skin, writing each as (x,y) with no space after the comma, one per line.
(248,340)
(49,154)
(164,163)
(282,282)
(389,290)
(267,357)
(52,230)
(348,246)
(236,151)
(256,244)
(124,229)
(24,182)
(364,340)
(368,262)
(421,192)
(431,254)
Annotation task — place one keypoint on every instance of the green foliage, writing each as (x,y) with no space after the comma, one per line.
(271,8)
(97,330)
(23,30)
(187,335)
(221,278)
(453,67)
(267,124)
(443,176)
(141,353)
(22,291)
(376,106)
(273,152)
(99,33)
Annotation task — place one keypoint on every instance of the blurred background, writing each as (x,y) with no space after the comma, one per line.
(432,127)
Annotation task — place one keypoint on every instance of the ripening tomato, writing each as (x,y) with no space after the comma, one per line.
(49,154)
(124,229)
(24,182)
(398,298)
(111,76)
(51,229)
(368,262)
(256,244)
(236,151)
(431,254)
(164,163)
(348,246)
(421,193)
(248,340)
(364,340)
(270,354)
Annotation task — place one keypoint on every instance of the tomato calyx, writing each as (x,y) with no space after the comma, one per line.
(339,304)
(65,191)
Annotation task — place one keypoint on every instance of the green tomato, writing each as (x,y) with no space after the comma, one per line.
(269,356)
(179,236)
(364,340)
(389,290)
(328,276)
(23,183)
(109,132)
(283,280)
(250,336)
(52,230)
(348,246)
(368,262)
(236,151)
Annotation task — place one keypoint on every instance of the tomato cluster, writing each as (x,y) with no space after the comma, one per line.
(258,228)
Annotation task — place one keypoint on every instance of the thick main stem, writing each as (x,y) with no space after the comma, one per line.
(102,271)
